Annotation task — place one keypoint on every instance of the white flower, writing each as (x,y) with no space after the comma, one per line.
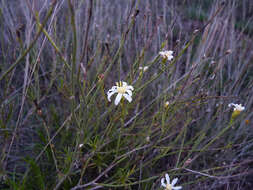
(237,107)
(80,145)
(170,186)
(166,104)
(143,68)
(123,90)
(167,54)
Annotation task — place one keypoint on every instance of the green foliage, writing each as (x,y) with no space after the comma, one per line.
(35,175)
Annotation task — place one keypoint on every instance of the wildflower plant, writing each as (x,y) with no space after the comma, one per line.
(238,108)
(123,90)
(168,54)
(170,185)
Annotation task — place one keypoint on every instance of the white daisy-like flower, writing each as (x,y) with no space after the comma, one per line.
(167,54)
(143,68)
(168,185)
(237,107)
(123,90)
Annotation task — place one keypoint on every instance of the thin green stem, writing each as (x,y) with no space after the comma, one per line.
(217,137)
(21,57)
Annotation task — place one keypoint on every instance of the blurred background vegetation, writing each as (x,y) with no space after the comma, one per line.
(58,58)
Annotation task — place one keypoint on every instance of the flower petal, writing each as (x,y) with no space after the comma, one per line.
(177,187)
(237,107)
(174,181)
(129,92)
(162,182)
(130,87)
(112,89)
(124,83)
(109,94)
(145,68)
(118,98)
(167,178)
(231,104)
(128,97)
(170,58)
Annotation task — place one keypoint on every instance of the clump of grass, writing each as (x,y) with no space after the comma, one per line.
(59,131)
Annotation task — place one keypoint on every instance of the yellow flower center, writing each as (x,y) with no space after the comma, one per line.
(168,187)
(120,88)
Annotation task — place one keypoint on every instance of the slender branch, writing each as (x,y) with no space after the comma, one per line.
(85,44)
(21,57)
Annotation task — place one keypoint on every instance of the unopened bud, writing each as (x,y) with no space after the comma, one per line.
(228,51)
(101,77)
(143,68)
(39,112)
(195,31)
(187,162)
(72,97)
